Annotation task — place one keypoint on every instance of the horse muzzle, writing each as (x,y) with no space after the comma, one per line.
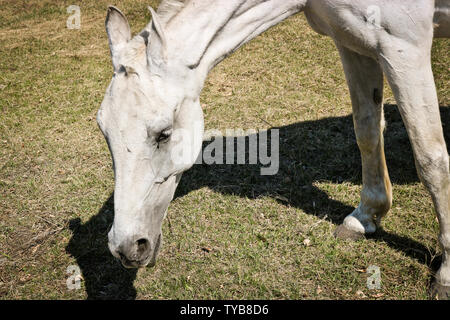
(136,253)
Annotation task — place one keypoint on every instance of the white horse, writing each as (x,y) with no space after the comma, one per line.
(152,104)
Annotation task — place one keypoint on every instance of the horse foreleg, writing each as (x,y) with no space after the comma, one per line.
(408,70)
(365,81)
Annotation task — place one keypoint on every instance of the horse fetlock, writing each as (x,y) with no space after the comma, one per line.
(360,221)
(376,202)
(440,292)
(443,275)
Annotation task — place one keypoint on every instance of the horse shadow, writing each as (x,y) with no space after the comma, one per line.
(309,152)
(104,277)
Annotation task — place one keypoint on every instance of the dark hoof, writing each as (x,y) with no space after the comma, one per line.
(343,232)
(440,292)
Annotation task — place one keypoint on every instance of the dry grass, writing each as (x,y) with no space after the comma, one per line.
(56,178)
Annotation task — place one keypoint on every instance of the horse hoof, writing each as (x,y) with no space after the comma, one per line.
(440,292)
(342,232)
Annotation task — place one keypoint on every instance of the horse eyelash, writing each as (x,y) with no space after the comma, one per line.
(162,136)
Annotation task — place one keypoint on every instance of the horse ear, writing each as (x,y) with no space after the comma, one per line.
(156,50)
(118,31)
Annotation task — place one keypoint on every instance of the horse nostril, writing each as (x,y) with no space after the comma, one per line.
(142,245)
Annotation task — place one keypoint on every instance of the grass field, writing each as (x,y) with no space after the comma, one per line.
(230,233)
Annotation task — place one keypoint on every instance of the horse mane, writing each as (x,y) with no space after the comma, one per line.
(169,9)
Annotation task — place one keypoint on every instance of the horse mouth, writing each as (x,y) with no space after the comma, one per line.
(133,264)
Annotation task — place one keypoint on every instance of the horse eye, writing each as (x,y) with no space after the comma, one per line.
(164,135)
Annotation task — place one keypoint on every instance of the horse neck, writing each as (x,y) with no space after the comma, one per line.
(203,33)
